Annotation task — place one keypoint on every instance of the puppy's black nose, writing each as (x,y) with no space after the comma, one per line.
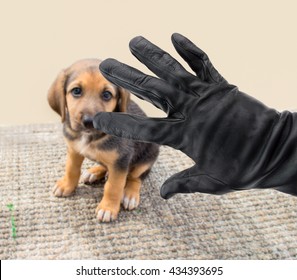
(87,122)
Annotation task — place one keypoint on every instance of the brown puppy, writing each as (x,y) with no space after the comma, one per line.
(77,94)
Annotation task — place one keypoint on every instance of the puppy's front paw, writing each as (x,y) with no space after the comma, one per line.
(131,196)
(62,189)
(130,200)
(106,214)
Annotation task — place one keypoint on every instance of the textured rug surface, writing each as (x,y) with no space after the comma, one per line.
(244,225)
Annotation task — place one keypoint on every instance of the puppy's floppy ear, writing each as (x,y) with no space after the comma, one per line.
(123,100)
(56,95)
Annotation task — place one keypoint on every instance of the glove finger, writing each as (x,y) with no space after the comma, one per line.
(146,87)
(161,63)
(139,128)
(289,189)
(190,181)
(197,59)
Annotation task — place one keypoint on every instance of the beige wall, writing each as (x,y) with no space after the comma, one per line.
(253,44)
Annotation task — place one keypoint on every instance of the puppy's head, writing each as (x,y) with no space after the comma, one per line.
(80,91)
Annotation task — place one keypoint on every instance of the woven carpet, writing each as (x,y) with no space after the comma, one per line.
(255,224)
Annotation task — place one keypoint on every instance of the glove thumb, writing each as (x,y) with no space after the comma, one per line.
(192,180)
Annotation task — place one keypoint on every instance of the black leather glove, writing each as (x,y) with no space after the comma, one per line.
(236,141)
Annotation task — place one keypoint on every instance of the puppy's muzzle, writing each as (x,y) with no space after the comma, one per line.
(87,122)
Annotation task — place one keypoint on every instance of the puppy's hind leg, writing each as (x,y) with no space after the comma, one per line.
(94,174)
(131,196)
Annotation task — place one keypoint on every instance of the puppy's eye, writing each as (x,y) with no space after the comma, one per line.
(76,92)
(106,95)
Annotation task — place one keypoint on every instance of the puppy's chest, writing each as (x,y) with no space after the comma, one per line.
(90,149)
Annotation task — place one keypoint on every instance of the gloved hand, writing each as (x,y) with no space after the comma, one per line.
(236,141)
